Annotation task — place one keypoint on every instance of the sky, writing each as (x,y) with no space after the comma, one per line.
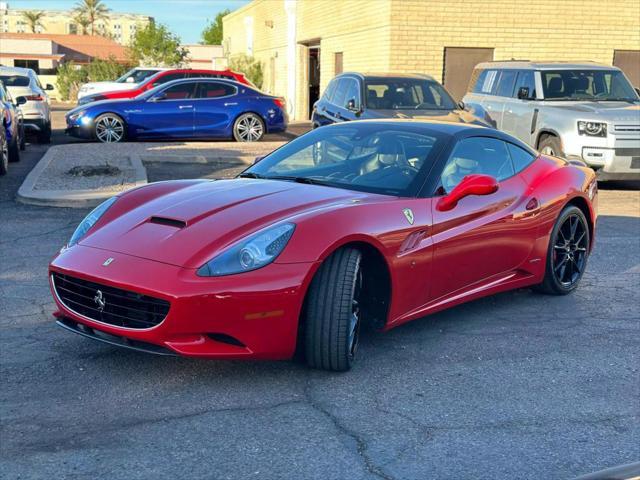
(186,18)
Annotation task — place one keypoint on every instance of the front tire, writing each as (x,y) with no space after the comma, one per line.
(44,136)
(23,140)
(14,150)
(333,313)
(567,253)
(4,151)
(109,128)
(551,145)
(248,127)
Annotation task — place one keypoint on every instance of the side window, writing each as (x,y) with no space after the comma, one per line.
(331,88)
(487,82)
(477,79)
(526,79)
(476,155)
(520,157)
(168,78)
(214,90)
(182,91)
(506,83)
(340,95)
(353,92)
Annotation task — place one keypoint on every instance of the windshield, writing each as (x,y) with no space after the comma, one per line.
(598,85)
(407,94)
(137,75)
(14,80)
(379,158)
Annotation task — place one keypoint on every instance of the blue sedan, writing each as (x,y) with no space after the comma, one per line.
(196,108)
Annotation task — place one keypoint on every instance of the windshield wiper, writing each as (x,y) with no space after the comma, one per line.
(250,175)
(618,99)
(307,180)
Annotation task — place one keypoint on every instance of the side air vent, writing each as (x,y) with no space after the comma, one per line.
(224,338)
(170,222)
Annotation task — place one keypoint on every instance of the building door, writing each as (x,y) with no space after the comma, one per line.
(458,66)
(629,62)
(314,77)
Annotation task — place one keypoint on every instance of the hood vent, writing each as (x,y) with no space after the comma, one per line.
(170,222)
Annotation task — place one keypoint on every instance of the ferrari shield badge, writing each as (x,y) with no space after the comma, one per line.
(409,214)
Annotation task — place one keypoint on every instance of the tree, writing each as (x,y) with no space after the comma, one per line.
(251,68)
(83,22)
(156,45)
(93,11)
(212,33)
(34,19)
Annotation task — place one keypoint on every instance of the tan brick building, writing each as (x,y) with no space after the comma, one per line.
(304,43)
(121,27)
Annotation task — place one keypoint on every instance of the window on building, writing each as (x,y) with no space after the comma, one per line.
(72,29)
(338,57)
(32,64)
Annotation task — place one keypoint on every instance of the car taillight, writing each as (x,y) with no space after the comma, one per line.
(280,102)
(34,98)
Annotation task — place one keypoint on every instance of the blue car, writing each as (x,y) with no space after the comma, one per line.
(197,108)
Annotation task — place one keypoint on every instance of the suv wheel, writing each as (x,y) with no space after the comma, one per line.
(14,149)
(45,134)
(550,145)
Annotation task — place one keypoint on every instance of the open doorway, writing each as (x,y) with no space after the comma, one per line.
(314,77)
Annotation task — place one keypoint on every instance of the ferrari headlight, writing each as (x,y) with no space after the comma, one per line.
(592,129)
(256,251)
(90,220)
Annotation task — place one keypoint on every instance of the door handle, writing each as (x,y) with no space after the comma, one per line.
(532,204)
(184,106)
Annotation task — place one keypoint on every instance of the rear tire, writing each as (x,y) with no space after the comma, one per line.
(248,127)
(550,145)
(23,140)
(14,150)
(44,136)
(567,253)
(333,314)
(4,151)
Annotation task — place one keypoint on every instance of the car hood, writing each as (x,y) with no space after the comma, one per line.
(613,111)
(107,87)
(190,226)
(455,116)
(101,105)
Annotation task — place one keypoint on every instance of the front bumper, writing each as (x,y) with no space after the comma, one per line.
(79,131)
(258,311)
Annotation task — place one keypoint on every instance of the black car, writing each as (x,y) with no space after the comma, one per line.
(357,96)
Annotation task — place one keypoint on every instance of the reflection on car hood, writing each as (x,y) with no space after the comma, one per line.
(101,104)
(193,224)
(614,111)
(455,116)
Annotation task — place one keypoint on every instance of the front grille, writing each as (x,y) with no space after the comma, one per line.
(121,308)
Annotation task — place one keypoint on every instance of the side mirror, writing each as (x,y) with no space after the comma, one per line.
(474,184)
(158,97)
(637,90)
(49,87)
(351,105)
(461,105)
(129,80)
(523,93)
(21,100)
(257,159)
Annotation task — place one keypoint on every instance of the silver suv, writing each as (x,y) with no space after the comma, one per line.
(584,111)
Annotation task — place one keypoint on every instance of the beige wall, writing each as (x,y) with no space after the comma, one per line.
(543,31)
(410,35)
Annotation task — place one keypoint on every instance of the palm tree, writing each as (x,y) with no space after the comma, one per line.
(34,19)
(83,23)
(93,11)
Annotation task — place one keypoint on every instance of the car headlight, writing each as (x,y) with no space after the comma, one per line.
(592,129)
(90,220)
(256,251)
(73,117)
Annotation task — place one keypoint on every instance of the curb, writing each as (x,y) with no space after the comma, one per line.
(70,198)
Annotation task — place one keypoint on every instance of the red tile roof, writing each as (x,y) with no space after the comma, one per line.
(79,48)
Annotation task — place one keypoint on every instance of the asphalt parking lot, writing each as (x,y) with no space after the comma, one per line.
(514,386)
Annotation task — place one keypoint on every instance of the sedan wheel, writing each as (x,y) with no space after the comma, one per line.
(568,252)
(4,152)
(109,128)
(333,312)
(248,128)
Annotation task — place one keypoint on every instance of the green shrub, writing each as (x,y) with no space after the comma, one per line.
(71,76)
(251,68)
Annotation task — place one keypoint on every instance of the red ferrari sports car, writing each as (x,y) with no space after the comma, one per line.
(371,221)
